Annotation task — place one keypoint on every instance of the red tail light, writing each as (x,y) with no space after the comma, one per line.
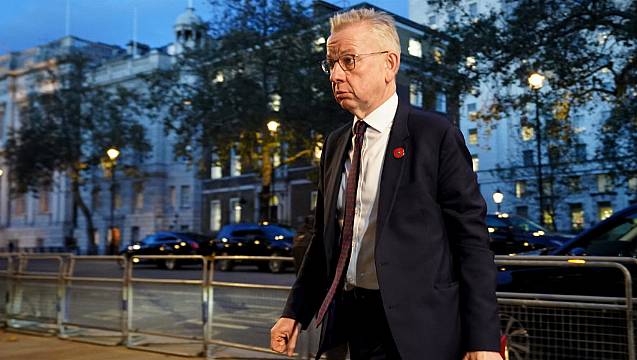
(194,245)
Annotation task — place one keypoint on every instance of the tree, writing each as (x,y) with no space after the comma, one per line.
(260,64)
(67,128)
(586,49)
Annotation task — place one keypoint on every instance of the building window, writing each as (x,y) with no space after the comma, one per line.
(415,94)
(185,196)
(415,47)
(604,183)
(473,136)
(527,157)
(580,152)
(548,219)
(95,199)
(632,184)
(522,211)
(452,16)
(20,205)
(575,184)
(275,102)
(577,217)
(547,187)
(554,154)
(215,215)
(604,210)
(520,188)
(313,199)
(472,112)
(215,167)
(134,234)
(473,9)
(172,195)
(527,132)
(43,201)
(138,198)
(235,163)
(438,54)
(117,196)
(476,162)
(441,102)
(235,210)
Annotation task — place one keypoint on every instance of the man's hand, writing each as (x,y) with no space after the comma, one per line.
(283,335)
(482,355)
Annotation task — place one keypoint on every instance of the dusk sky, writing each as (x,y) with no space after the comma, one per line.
(28,23)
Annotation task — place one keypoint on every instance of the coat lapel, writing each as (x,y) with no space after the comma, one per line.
(393,166)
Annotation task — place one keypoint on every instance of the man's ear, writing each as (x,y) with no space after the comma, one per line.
(392,63)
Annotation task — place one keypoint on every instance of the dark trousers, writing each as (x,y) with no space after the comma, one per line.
(369,336)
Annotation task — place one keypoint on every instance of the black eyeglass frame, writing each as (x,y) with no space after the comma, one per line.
(327,65)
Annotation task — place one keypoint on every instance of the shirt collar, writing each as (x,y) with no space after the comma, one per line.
(383,116)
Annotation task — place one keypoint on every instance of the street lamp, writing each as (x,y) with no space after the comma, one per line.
(112,154)
(498,196)
(267,159)
(273,126)
(536,82)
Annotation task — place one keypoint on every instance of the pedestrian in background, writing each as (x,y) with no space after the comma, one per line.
(399,265)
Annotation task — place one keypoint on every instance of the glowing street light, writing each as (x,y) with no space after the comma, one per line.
(498,197)
(112,153)
(273,125)
(536,81)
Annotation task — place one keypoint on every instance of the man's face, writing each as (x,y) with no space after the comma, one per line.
(362,90)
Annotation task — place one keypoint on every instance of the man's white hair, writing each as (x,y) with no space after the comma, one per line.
(380,23)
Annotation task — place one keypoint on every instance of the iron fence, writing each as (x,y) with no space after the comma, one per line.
(69,296)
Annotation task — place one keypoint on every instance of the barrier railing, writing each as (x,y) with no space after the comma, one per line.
(541,326)
(114,300)
(202,285)
(91,297)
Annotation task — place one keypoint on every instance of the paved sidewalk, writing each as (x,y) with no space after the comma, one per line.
(14,346)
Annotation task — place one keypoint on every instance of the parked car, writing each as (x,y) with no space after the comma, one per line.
(513,234)
(614,237)
(171,243)
(573,331)
(251,239)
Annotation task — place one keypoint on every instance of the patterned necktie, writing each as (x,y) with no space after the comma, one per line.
(348,218)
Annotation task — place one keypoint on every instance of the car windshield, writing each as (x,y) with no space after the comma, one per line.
(520,223)
(150,239)
(617,239)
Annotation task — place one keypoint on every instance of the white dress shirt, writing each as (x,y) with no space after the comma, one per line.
(361,271)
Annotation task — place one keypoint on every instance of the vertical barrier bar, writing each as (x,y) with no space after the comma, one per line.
(125,303)
(129,301)
(630,329)
(8,274)
(65,267)
(205,300)
(211,301)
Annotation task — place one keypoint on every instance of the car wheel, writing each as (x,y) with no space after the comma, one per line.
(275,266)
(224,265)
(517,338)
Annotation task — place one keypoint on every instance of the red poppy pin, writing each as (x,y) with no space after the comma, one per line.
(399,152)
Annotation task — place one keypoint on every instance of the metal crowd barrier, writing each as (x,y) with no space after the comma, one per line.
(91,298)
(556,326)
(171,316)
(69,296)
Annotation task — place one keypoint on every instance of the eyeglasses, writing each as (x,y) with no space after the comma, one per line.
(347,61)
